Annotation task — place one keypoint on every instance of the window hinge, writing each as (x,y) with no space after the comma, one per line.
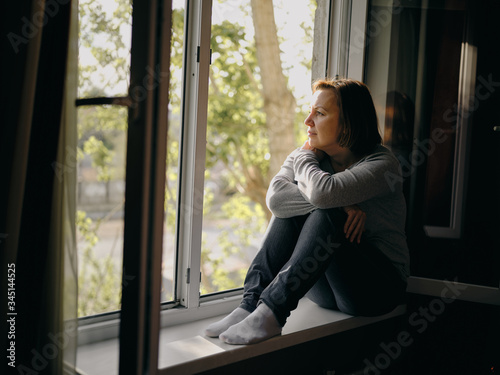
(188,275)
(198,55)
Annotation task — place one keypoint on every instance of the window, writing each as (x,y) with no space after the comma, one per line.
(224,141)
(104,64)
(227,159)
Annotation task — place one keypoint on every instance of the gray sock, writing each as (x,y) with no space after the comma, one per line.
(258,326)
(215,329)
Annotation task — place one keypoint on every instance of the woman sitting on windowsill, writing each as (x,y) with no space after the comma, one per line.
(337,232)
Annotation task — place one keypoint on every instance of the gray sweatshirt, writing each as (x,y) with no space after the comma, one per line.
(374,183)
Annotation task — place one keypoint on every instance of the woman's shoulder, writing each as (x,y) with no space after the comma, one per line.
(380,152)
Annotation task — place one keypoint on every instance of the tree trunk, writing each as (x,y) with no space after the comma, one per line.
(279,103)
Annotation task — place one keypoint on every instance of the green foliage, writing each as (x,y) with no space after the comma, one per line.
(102,33)
(222,271)
(237,143)
(101,157)
(98,279)
(85,227)
(101,137)
(176,59)
(308,35)
(174,126)
(236,131)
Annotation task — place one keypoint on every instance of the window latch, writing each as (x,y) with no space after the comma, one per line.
(198,55)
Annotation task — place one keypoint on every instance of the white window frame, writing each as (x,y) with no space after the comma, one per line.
(466,94)
(348,39)
(194,120)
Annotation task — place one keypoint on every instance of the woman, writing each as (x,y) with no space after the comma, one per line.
(337,231)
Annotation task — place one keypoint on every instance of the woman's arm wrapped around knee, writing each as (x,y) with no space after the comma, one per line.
(283,196)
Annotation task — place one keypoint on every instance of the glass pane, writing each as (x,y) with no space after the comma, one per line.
(174,132)
(104,47)
(254,121)
(104,63)
(420,52)
(102,133)
(412,69)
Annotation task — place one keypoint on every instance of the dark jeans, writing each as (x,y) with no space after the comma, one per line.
(309,254)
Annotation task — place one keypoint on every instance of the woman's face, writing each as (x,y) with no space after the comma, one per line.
(324,122)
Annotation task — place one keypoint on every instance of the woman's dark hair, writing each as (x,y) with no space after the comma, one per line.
(358,119)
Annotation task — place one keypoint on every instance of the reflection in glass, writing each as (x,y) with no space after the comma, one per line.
(412,69)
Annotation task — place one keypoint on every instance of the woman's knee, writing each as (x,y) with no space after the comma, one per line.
(331,220)
(333,215)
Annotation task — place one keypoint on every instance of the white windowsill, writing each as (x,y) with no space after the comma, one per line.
(185,350)
(104,328)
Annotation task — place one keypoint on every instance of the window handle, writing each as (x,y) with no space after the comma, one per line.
(124,101)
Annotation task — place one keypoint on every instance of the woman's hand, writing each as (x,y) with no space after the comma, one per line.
(355,223)
(319,154)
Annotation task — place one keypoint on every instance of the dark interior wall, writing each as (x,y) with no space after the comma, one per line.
(461,338)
